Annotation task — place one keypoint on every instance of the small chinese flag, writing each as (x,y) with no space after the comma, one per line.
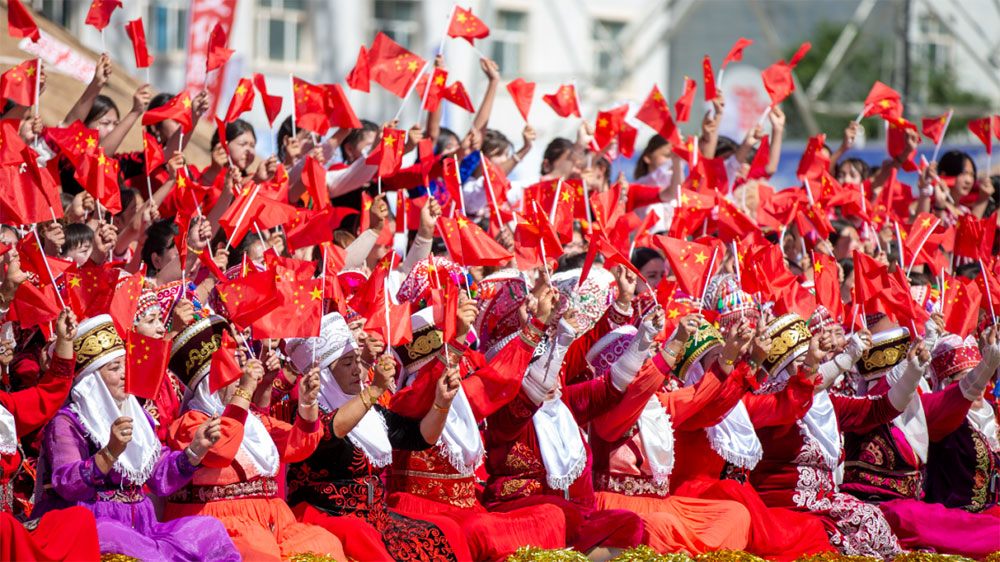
(272,104)
(125,301)
(883,100)
(358,77)
(982,128)
(146,361)
(298,313)
(689,261)
(778,77)
(178,109)
(100,11)
(960,299)
(736,53)
(522,93)
(225,369)
(20,23)
(563,101)
(98,174)
(242,101)
(933,128)
(19,83)
(153,156)
(389,153)
(608,124)
(310,106)
(682,108)
(218,54)
(34,306)
(467,26)
(392,66)
(138,36)
(710,90)
(474,247)
(456,94)
(655,113)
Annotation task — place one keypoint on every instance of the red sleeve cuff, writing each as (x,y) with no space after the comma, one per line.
(62,368)
(749,376)
(661,364)
(235,413)
(307,426)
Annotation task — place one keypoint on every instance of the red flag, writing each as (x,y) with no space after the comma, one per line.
(125,302)
(608,124)
(272,104)
(870,278)
(626,140)
(310,228)
(827,283)
(357,78)
(310,106)
(73,142)
(314,179)
(612,257)
(20,23)
(218,54)
(30,196)
(974,237)
(814,161)
(733,223)
(99,176)
(736,53)
(34,260)
(689,262)
(682,108)
(137,35)
(758,167)
(153,156)
(961,300)
(706,68)
(522,93)
(883,100)
(242,100)
(655,113)
(19,84)
(178,109)
(989,288)
(249,297)
(533,237)
(99,14)
(392,66)
(393,319)
(339,109)
(563,101)
(778,77)
(225,369)
(298,313)
(146,359)
(389,154)
(982,129)
(456,94)
(34,306)
(89,289)
(477,248)
(933,128)
(467,26)
(433,92)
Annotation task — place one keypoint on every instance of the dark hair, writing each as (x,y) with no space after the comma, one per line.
(233,130)
(969,270)
(159,239)
(159,100)
(66,199)
(237,252)
(127,195)
(102,105)
(444,135)
(355,136)
(952,163)
(17,235)
(554,151)
(494,142)
(839,225)
(76,234)
(642,255)
(864,169)
(656,142)
(725,145)
(284,131)
(567,262)
(847,264)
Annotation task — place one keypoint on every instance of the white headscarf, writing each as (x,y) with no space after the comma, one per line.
(257,442)
(92,403)
(460,440)
(734,438)
(560,443)
(8,432)
(984,420)
(821,423)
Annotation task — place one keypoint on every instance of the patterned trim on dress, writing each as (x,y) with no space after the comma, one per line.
(259,487)
(451,489)
(127,494)
(983,475)
(630,485)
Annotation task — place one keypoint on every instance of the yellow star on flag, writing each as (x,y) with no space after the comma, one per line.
(700,258)
(316,293)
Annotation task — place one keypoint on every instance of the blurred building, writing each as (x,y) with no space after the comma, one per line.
(613,50)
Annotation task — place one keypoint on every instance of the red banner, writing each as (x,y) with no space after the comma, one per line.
(203,16)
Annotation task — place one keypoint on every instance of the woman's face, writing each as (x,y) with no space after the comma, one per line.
(653,272)
(839,337)
(129,217)
(847,243)
(151,324)
(168,255)
(241,150)
(255,252)
(347,372)
(104,124)
(353,151)
(80,254)
(657,158)
(451,144)
(562,167)
(113,375)
(500,157)
(166,129)
(964,181)
(7,237)
(849,173)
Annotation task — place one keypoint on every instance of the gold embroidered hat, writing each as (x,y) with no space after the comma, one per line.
(427,340)
(696,346)
(191,354)
(790,337)
(889,348)
(97,343)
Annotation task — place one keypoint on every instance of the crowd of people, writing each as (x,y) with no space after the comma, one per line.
(235,363)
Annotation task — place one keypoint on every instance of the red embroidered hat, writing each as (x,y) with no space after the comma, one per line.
(952,355)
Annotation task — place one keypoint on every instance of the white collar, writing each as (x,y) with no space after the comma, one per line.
(8,432)
(560,443)
(734,438)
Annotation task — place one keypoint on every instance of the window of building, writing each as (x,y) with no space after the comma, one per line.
(936,42)
(168,26)
(58,11)
(509,35)
(400,20)
(281,30)
(607,50)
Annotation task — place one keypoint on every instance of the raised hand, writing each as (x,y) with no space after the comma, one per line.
(121,435)
(207,434)
(447,387)
(309,387)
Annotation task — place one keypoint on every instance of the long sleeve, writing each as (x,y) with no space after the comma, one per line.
(945,411)
(783,407)
(358,251)
(499,380)
(730,391)
(589,399)
(349,179)
(74,475)
(575,361)
(612,424)
(34,406)
(860,415)
(295,441)
(221,454)
(543,373)
(507,423)
(420,249)
(172,471)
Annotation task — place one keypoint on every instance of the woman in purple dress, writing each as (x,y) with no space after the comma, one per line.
(101,449)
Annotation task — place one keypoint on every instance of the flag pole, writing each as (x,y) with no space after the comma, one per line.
(45,258)
(38,83)
(862,114)
(322,275)
(989,294)
(899,241)
(291,82)
(388,329)
(555,201)
(461,195)
(736,263)
(242,216)
(489,189)
(586,206)
(921,246)
(402,105)
(944,131)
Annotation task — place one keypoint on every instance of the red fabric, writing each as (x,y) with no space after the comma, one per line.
(736,53)
(224,368)
(469,245)
(682,107)
(20,23)
(709,78)
(339,109)
(146,364)
(218,54)
(522,93)
(19,83)
(392,66)
(178,109)
(608,124)
(883,100)
(961,299)
(242,102)
(655,113)
(310,106)
(689,261)
(99,14)
(933,127)
(982,128)
(358,77)
(98,175)
(272,104)
(563,101)
(389,153)
(467,26)
(137,35)
(62,534)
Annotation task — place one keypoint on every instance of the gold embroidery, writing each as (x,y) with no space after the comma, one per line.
(886,357)
(788,340)
(199,356)
(424,344)
(97,342)
(519,487)
(520,459)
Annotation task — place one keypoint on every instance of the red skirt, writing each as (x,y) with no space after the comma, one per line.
(775,533)
(63,534)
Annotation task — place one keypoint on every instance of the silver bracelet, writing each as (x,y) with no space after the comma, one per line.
(193,458)
(309,405)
